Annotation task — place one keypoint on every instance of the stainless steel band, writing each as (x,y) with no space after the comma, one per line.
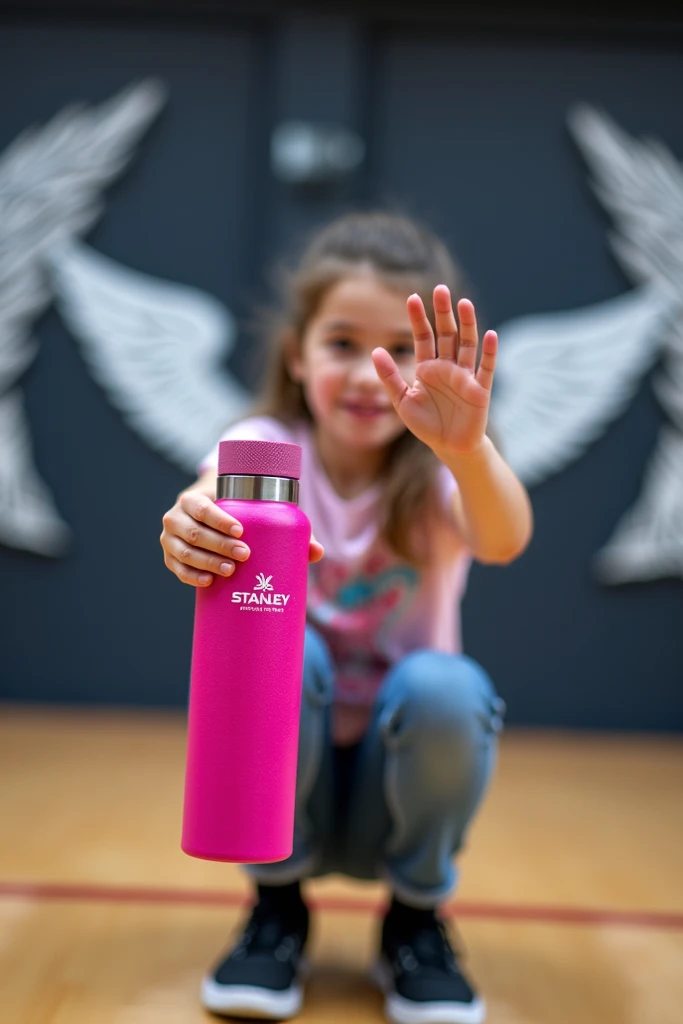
(258,488)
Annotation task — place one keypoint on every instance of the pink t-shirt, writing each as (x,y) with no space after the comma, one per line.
(371,606)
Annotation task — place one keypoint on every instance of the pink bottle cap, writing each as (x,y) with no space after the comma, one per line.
(259,458)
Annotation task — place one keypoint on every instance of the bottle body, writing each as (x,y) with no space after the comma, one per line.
(245,693)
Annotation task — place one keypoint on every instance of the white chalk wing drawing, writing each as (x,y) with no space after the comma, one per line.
(564,377)
(51,184)
(28,517)
(156,348)
(648,541)
(668,386)
(641,184)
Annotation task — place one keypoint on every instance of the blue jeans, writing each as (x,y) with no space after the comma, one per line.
(413,782)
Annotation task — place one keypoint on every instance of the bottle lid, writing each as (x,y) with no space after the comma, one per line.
(259,458)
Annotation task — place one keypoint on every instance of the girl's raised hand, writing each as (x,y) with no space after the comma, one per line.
(448,403)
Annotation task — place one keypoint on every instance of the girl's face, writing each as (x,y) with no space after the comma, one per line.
(346,397)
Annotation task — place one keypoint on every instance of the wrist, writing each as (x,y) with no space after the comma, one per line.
(453,457)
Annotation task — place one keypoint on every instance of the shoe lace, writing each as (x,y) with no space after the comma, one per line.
(430,946)
(267,930)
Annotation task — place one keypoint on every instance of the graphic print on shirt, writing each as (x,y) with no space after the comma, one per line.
(355,610)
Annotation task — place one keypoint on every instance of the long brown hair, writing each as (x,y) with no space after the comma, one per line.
(407,257)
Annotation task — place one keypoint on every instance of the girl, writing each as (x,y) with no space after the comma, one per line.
(404,488)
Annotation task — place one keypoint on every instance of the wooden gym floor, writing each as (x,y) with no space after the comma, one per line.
(570,907)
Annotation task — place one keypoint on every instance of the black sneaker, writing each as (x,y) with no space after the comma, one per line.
(261,976)
(419,974)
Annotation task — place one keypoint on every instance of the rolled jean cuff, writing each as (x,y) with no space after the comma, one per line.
(424,899)
(276,874)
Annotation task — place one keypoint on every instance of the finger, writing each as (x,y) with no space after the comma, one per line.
(315,550)
(206,511)
(446,327)
(193,577)
(178,549)
(487,364)
(467,350)
(422,329)
(387,371)
(200,536)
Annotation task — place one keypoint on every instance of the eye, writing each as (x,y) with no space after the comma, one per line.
(340,344)
(403,351)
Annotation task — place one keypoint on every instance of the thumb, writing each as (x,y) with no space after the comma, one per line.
(387,371)
(315,550)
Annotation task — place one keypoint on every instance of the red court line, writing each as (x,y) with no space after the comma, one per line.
(43,891)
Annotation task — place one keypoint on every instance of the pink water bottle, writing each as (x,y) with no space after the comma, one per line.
(247,661)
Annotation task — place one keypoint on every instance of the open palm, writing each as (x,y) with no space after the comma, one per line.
(447,405)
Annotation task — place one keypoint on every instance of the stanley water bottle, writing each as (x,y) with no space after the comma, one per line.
(247,659)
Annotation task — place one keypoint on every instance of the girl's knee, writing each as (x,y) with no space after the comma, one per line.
(444,694)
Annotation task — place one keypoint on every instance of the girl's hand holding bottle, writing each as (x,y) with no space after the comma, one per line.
(200,539)
(447,405)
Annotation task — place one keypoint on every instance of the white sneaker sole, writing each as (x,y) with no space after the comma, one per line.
(254,1002)
(406,1011)
(249,1001)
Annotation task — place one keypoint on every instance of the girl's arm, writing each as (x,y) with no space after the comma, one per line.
(491,507)
(447,407)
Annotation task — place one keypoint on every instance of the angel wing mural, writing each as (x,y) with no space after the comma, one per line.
(648,541)
(155,347)
(564,377)
(641,184)
(52,181)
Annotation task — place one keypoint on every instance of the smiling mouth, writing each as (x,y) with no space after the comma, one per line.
(365,411)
